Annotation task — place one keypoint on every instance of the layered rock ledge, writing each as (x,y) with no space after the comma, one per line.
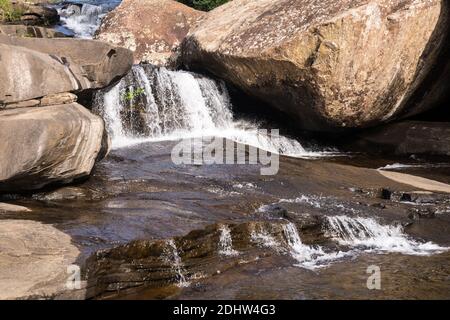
(33,68)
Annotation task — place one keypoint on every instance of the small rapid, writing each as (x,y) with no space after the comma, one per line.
(172,257)
(369,235)
(83,17)
(156,104)
(226,242)
(307,256)
(350,234)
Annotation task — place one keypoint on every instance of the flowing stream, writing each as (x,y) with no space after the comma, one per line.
(81,18)
(368,234)
(142,194)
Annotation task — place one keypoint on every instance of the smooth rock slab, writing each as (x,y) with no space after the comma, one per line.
(44,145)
(33,259)
(6,207)
(415,181)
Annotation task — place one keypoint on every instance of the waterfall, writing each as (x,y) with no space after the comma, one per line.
(368,234)
(154,104)
(171,256)
(309,257)
(306,256)
(226,242)
(84,17)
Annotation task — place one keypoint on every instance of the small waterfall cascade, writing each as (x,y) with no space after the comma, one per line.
(154,104)
(84,17)
(286,240)
(226,242)
(172,257)
(371,235)
(308,257)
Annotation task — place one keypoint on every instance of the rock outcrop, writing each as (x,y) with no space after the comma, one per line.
(18,30)
(150,28)
(44,145)
(406,138)
(332,65)
(29,12)
(34,260)
(33,68)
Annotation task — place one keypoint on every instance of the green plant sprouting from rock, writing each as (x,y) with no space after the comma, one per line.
(131,94)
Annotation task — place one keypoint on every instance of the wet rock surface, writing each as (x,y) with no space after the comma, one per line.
(406,138)
(147,228)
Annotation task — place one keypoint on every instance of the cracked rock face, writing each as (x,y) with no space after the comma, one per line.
(152,29)
(33,68)
(44,145)
(33,259)
(330,64)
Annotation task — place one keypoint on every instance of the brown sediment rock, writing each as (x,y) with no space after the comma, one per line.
(152,29)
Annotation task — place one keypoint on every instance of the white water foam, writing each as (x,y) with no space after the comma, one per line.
(306,256)
(320,202)
(400,166)
(226,242)
(260,236)
(181,104)
(171,256)
(309,257)
(369,235)
(82,21)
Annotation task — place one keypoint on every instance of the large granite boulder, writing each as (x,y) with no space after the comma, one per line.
(332,64)
(150,28)
(32,68)
(44,145)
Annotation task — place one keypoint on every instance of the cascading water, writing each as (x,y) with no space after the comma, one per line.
(226,242)
(154,104)
(309,257)
(371,235)
(290,243)
(171,256)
